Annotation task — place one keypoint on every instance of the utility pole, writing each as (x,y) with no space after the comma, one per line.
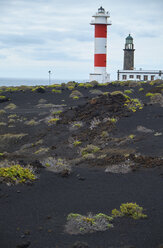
(49,77)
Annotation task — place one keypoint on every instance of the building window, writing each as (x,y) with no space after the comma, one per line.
(131,76)
(138,77)
(145,78)
(124,77)
(152,77)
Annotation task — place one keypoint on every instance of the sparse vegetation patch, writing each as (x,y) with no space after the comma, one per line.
(17,174)
(81,224)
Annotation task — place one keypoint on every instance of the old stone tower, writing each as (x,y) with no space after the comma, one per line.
(129,54)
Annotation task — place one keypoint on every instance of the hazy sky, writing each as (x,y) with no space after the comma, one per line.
(41,35)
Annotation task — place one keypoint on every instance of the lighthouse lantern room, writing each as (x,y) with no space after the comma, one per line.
(100,46)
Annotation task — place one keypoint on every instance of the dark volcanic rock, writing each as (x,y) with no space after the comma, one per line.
(102,107)
(24,244)
(79,244)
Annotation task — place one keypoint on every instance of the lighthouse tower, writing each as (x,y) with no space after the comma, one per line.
(100,46)
(129,54)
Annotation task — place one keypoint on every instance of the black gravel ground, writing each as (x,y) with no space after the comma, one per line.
(38,213)
(34,215)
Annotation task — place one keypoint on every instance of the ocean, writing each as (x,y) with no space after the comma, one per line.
(31,82)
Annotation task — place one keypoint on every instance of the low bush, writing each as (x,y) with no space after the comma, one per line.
(94,123)
(113,120)
(89,149)
(42,150)
(2,97)
(56,91)
(3,123)
(76,93)
(77,143)
(39,89)
(57,164)
(131,136)
(53,120)
(2,111)
(133,104)
(17,174)
(132,210)
(81,224)
(128,91)
(57,112)
(10,136)
(11,106)
(96,92)
(32,123)
(75,97)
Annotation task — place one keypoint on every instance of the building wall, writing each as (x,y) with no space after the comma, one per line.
(139,75)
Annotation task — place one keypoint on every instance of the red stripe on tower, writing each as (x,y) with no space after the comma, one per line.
(100,60)
(100,31)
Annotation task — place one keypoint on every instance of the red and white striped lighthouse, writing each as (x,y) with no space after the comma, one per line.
(100,46)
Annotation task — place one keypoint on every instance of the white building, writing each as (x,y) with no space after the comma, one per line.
(139,75)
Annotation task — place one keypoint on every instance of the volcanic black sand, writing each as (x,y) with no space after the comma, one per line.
(43,125)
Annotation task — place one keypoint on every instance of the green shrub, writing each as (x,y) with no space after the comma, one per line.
(129,209)
(117,92)
(70,87)
(88,85)
(128,91)
(81,85)
(17,174)
(55,86)
(89,149)
(77,143)
(133,104)
(141,89)
(75,94)
(53,120)
(131,136)
(149,94)
(38,88)
(2,97)
(106,93)
(56,91)
(75,97)
(113,120)
(71,84)
(32,123)
(57,112)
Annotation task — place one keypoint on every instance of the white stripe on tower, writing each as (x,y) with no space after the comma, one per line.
(100,45)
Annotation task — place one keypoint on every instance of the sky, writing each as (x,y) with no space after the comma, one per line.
(41,35)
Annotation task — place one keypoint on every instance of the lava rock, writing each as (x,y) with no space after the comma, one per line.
(79,244)
(24,244)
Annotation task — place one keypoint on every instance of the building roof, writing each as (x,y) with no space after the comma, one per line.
(129,37)
(101,10)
